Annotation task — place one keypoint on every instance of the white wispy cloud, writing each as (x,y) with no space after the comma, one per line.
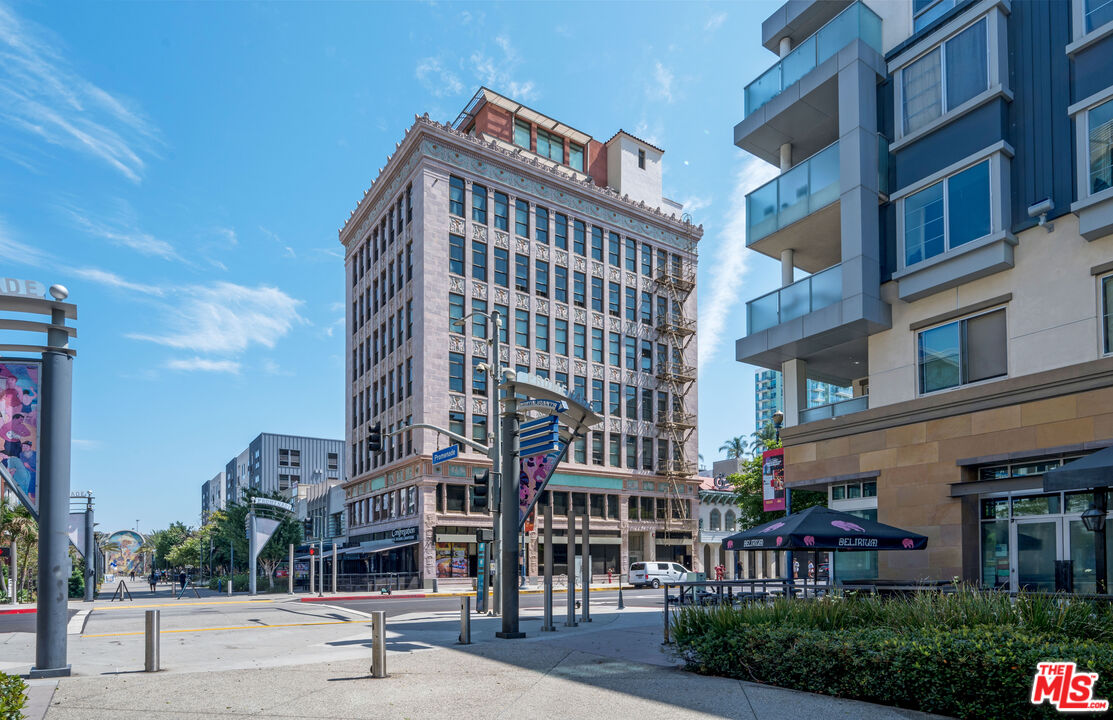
(225,318)
(43,96)
(122,229)
(661,87)
(274,236)
(204,365)
(16,252)
(82,444)
(693,203)
(111,279)
(437,79)
(715,21)
(729,265)
(499,73)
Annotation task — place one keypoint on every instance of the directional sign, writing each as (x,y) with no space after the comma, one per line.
(538,437)
(450,452)
(546,422)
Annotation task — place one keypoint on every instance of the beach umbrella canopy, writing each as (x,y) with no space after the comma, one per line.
(820,528)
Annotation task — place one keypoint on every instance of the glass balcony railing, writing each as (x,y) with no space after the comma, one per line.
(809,186)
(795,300)
(833,410)
(855,22)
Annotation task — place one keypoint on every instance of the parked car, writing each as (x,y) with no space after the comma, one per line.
(655,573)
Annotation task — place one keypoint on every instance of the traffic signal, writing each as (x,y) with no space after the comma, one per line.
(307,527)
(481,490)
(375,439)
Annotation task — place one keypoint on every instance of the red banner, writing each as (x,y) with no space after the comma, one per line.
(773,480)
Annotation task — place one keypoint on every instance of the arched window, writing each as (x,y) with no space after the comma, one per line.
(715,517)
(730,520)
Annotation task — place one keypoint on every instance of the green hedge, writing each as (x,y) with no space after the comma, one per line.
(968,673)
(897,653)
(12,697)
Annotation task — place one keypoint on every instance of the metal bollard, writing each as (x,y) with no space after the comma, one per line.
(378,643)
(666,587)
(151,636)
(465,620)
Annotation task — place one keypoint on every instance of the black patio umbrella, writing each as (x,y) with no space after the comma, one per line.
(820,528)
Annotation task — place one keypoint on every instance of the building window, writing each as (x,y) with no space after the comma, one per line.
(614,249)
(502,211)
(614,299)
(521,273)
(541,332)
(479,260)
(521,218)
(631,402)
(597,294)
(504,322)
(502,267)
(631,353)
(333,461)
(647,309)
(550,146)
(479,204)
(597,244)
(479,318)
(561,337)
(455,254)
(596,452)
(576,156)
(521,133)
(456,422)
(561,292)
(541,277)
(614,350)
(1100,134)
(647,405)
(631,452)
(631,304)
(945,78)
(961,352)
(479,428)
(521,328)
(715,520)
(578,289)
(1107,312)
(456,372)
(647,357)
(948,214)
(541,224)
(560,231)
(1097,13)
(631,254)
(579,340)
(616,450)
(455,197)
(597,344)
(455,311)
(614,399)
(578,234)
(478,378)
(926,11)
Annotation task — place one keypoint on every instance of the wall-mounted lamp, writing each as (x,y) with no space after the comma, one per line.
(1040,210)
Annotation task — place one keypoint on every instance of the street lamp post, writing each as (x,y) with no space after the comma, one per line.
(494,370)
(1094,521)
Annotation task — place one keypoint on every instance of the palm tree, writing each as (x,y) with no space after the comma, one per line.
(735,447)
(763,438)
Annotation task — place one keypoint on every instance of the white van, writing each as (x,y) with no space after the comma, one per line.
(655,573)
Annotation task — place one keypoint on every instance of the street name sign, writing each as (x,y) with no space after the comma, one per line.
(448,453)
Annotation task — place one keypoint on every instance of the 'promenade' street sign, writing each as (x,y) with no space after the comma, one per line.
(450,452)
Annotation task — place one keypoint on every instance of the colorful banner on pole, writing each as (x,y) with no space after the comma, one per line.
(533,475)
(19,428)
(773,480)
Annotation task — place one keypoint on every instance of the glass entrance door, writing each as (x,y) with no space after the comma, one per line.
(1037,544)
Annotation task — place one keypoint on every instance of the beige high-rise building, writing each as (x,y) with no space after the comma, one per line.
(593,272)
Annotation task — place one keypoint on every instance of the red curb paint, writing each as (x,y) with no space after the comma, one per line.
(18,611)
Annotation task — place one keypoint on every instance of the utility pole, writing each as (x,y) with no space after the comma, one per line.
(90,550)
(508,564)
(494,549)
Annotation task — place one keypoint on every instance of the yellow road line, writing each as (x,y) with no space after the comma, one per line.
(182,604)
(234,627)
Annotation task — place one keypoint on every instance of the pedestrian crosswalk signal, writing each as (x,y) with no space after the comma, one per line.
(481,490)
(375,438)
(307,527)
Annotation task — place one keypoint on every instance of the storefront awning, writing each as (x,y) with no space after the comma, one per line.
(1094,470)
(377,546)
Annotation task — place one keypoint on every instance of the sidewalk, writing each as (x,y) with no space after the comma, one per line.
(612,667)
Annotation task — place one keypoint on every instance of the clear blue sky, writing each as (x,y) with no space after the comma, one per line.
(183,168)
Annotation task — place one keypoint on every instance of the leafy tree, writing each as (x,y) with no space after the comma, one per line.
(748,495)
(735,447)
(766,438)
(164,541)
(185,553)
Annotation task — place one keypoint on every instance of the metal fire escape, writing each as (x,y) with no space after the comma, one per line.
(675,281)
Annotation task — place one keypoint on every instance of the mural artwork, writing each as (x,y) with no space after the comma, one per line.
(128,558)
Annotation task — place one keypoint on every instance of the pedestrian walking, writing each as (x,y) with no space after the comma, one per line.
(182,579)
(153,580)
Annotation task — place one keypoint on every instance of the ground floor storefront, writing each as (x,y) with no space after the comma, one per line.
(967,469)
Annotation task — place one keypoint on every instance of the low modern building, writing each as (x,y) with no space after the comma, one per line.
(274,463)
(324,504)
(947,187)
(592,271)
